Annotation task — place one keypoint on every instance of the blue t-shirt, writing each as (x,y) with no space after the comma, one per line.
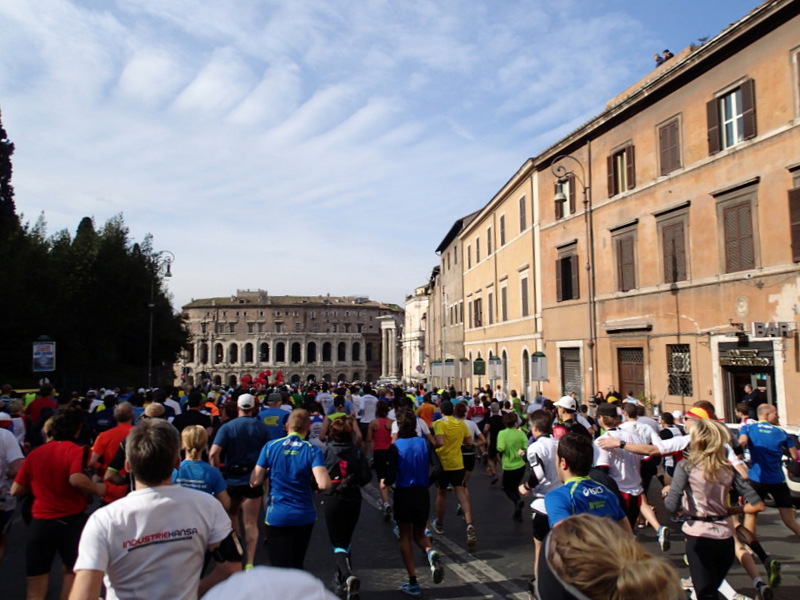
(412,462)
(766,442)
(275,420)
(199,475)
(241,440)
(289,462)
(582,495)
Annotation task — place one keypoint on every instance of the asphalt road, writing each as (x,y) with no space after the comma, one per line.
(498,567)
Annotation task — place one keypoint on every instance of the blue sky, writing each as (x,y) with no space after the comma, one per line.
(307,147)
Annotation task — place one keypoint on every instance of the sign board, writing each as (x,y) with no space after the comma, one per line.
(495,368)
(479,367)
(449,368)
(436,369)
(539,367)
(779,329)
(44,357)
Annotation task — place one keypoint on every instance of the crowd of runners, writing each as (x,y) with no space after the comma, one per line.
(183,476)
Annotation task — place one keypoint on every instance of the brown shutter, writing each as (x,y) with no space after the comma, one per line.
(559,205)
(674,253)
(794,220)
(669,147)
(576,290)
(712,115)
(559,287)
(630,164)
(625,266)
(610,165)
(738,224)
(749,109)
(572,194)
(663,149)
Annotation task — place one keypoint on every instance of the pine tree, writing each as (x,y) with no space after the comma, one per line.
(8,212)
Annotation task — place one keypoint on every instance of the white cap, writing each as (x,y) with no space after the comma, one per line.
(677,414)
(250,585)
(246,401)
(568,402)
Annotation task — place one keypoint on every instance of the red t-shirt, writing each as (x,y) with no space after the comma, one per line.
(46,471)
(35,408)
(106,445)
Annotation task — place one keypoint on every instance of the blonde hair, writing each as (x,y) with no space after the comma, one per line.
(194,439)
(619,569)
(707,449)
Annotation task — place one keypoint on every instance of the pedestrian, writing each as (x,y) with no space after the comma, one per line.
(701,487)
(379,437)
(349,470)
(408,473)
(54,474)
(291,464)
(658,60)
(194,472)
(511,445)
(469,452)
(568,421)
(492,426)
(11,458)
(148,544)
(106,446)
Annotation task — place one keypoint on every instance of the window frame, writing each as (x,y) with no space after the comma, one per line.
(524,295)
(669,148)
(744,195)
(523,214)
(621,169)
(568,189)
(569,253)
(501,225)
(714,115)
(625,240)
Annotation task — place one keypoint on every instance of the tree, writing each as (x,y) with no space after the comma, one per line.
(8,211)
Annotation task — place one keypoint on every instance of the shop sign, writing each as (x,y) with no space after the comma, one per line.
(744,357)
(778,329)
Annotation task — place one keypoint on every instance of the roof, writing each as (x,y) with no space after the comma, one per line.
(455,230)
(262,298)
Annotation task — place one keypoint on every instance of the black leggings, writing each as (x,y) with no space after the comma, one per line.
(511,481)
(287,546)
(341,517)
(709,562)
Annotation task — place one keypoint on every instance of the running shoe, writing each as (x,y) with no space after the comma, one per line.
(763,591)
(428,532)
(411,589)
(774,572)
(395,529)
(472,536)
(435,561)
(387,511)
(437,528)
(459,510)
(380,503)
(494,479)
(663,538)
(351,587)
(686,583)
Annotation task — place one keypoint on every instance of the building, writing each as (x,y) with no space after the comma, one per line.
(308,338)
(683,197)
(416,312)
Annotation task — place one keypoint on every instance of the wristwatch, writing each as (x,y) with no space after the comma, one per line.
(622,443)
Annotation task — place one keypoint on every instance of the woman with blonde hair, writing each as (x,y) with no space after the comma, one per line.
(194,472)
(701,486)
(620,567)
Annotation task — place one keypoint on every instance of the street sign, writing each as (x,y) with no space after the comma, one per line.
(539,367)
(479,367)
(44,356)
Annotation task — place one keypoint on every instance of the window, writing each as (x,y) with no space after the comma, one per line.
(260,328)
(489,304)
(477,250)
(523,292)
(737,222)
(469,257)
(488,241)
(478,312)
(504,303)
(502,230)
(251,327)
(567,282)
(203,327)
(455,255)
(278,327)
(523,217)
(669,145)
(794,222)
(297,327)
(469,310)
(231,327)
(621,171)
(679,366)
(625,248)
(448,261)
(732,117)
(568,189)
(673,249)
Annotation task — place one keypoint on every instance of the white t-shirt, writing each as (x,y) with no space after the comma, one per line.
(623,466)
(169,527)
(681,442)
(583,421)
(9,452)
(642,430)
(651,423)
(474,430)
(325,399)
(366,408)
(422,428)
(542,457)
(500,396)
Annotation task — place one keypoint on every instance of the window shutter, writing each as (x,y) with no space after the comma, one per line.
(559,283)
(674,145)
(523,218)
(674,253)
(663,149)
(559,205)
(576,290)
(572,194)
(669,149)
(738,222)
(625,267)
(712,115)
(794,219)
(749,109)
(630,164)
(610,166)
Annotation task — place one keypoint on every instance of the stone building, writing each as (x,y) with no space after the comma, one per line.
(308,338)
(416,312)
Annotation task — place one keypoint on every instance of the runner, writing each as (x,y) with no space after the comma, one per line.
(492,426)
(379,437)
(274,417)
(106,446)
(10,462)
(194,472)
(511,445)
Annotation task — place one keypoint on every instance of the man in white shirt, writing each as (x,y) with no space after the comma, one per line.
(10,461)
(170,541)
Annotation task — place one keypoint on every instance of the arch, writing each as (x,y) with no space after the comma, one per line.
(248,352)
(341,377)
(369,377)
(356,352)
(203,353)
(219,354)
(217,379)
(233,353)
(280,352)
(232,381)
(263,352)
(311,352)
(355,377)
(297,354)
(341,352)
(295,378)
(326,377)
(311,378)
(326,352)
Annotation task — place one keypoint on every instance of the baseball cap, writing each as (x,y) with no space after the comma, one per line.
(5,420)
(274,397)
(607,410)
(677,414)
(247,401)
(568,402)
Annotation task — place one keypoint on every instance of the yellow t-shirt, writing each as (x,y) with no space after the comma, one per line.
(454,432)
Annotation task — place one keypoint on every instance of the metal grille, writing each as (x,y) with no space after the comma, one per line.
(679,365)
(631,356)
(571,370)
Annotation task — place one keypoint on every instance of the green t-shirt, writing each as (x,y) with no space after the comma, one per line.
(509,442)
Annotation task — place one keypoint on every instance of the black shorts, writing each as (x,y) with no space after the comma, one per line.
(779,492)
(541,526)
(380,458)
(6,516)
(454,478)
(240,492)
(364,429)
(469,462)
(412,505)
(48,536)
(492,452)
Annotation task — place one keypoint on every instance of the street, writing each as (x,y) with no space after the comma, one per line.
(499,566)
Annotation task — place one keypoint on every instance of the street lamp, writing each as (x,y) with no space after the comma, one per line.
(161,260)
(563,173)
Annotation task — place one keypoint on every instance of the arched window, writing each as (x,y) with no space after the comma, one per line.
(356,352)
(263,352)
(341,351)
(219,353)
(341,377)
(280,352)
(296,354)
(355,377)
(311,352)
(232,381)
(326,352)
(248,353)
(217,379)
(233,353)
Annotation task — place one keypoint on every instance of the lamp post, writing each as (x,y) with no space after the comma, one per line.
(161,260)
(563,173)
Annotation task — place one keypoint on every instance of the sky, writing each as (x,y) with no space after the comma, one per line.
(303,147)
